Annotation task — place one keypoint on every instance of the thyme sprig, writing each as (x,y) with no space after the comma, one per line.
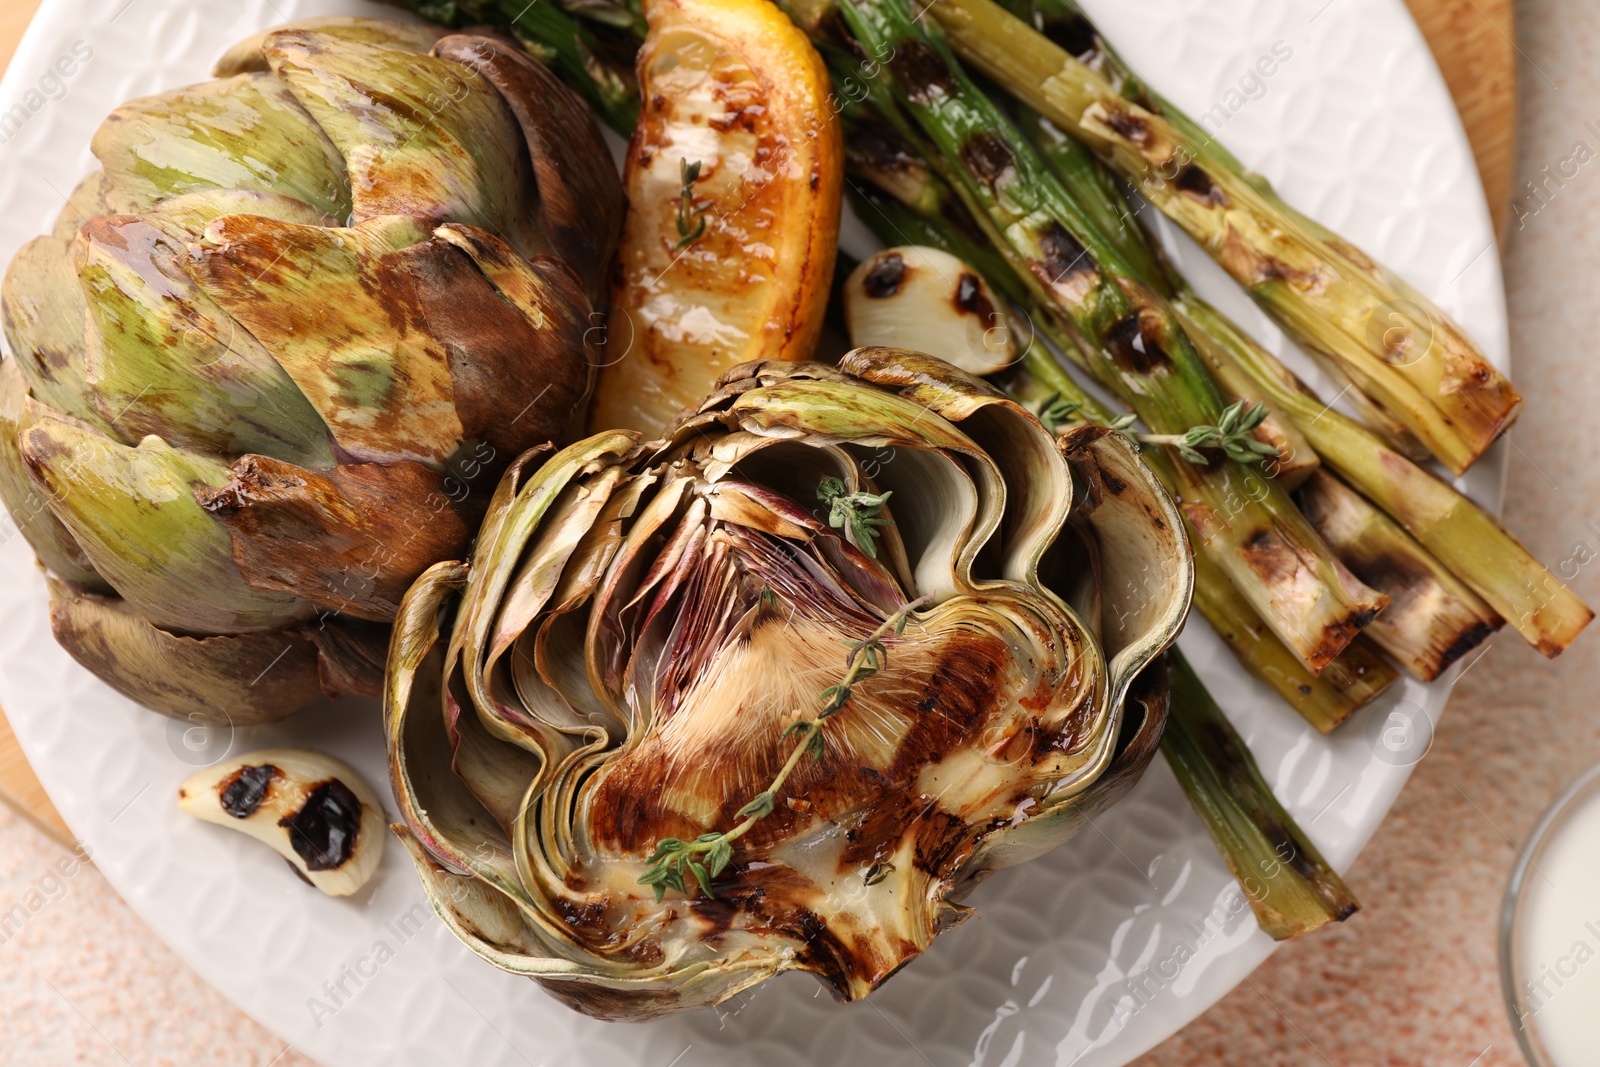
(854,513)
(1231,434)
(1057,411)
(691,220)
(708,855)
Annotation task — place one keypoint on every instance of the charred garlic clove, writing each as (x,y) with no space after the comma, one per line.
(316,811)
(927,300)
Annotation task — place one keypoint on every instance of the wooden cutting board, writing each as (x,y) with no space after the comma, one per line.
(1472,40)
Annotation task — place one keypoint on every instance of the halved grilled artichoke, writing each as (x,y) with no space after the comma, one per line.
(640,623)
(276,353)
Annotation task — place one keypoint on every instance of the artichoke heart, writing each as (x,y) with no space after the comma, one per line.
(644,631)
(273,357)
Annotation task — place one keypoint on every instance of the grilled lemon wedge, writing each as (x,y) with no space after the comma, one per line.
(733,182)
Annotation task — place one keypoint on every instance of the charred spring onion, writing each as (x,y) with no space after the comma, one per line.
(1272,555)
(1352,679)
(1459,534)
(1433,619)
(1291,888)
(1390,340)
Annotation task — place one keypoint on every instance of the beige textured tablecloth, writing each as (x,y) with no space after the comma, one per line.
(1409,981)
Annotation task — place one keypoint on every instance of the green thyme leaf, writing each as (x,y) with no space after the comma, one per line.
(691,222)
(759,807)
(673,857)
(854,513)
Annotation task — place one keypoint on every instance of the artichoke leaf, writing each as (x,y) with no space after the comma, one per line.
(164,359)
(1038,490)
(45,323)
(408,343)
(420,136)
(832,412)
(1133,536)
(514,516)
(247,56)
(351,539)
(576,513)
(521,358)
(1142,719)
(234,680)
(580,199)
(1137,531)
(510,522)
(134,513)
(87,199)
(49,540)
(491,925)
(438,807)
(941,506)
(475,909)
(185,218)
(242,132)
(350,655)
(549,671)
(788,471)
(338,311)
(497,774)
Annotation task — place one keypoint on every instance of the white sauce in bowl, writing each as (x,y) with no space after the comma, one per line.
(1550,950)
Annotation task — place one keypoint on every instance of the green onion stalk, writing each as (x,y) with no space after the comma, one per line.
(1468,541)
(1352,679)
(1389,340)
(1289,884)
(1268,550)
(1434,618)
(1064,23)
(1086,178)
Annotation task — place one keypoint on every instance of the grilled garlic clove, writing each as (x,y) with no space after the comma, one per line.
(927,300)
(314,810)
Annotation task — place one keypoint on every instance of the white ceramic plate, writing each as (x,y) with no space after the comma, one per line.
(1089,956)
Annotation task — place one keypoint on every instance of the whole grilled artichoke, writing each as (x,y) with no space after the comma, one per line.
(642,629)
(274,355)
